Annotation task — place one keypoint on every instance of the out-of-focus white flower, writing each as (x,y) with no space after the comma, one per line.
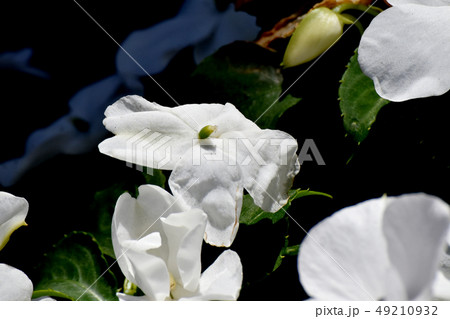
(214,152)
(20,61)
(198,24)
(77,132)
(405,49)
(158,244)
(14,284)
(382,249)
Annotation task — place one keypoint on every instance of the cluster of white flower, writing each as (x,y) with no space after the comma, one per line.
(214,152)
(387,248)
(391,248)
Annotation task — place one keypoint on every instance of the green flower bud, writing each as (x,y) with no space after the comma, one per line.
(318,30)
(206,131)
(129,288)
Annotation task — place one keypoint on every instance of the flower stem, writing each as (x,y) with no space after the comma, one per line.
(349,19)
(350,6)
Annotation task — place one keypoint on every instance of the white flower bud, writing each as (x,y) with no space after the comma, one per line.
(319,30)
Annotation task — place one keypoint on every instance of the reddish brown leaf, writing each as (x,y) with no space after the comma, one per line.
(283,29)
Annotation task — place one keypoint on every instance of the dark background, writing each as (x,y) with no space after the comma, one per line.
(406,150)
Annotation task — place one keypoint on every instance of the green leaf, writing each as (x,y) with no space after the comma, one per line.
(278,262)
(76,270)
(251,214)
(285,251)
(245,75)
(156,178)
(359,101)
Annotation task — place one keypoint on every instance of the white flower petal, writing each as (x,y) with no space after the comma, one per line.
(225,117)
(15,285)
(185,233)
(147,134)
(269,163)
(134,219)
(125,297)
(416,227)
(147,242)
(205,179)
(13,211)
(430,3)
(404,52)
(345,256)
(222,280)
(130,104)
(44,298)
(441,287)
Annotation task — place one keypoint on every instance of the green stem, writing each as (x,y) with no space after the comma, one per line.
(349,19)
(350,6)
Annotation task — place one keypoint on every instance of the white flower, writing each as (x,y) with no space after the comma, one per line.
(14,284)
(317,31)
(405,49)
(214,152)
(382,249)
(13,211)
(158,245)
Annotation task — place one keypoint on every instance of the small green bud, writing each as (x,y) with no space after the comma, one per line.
(206,131)
(318,30)
(129,288)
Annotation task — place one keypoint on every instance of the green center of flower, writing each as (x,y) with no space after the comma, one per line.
(129,288)
(173,283)
(206,131)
